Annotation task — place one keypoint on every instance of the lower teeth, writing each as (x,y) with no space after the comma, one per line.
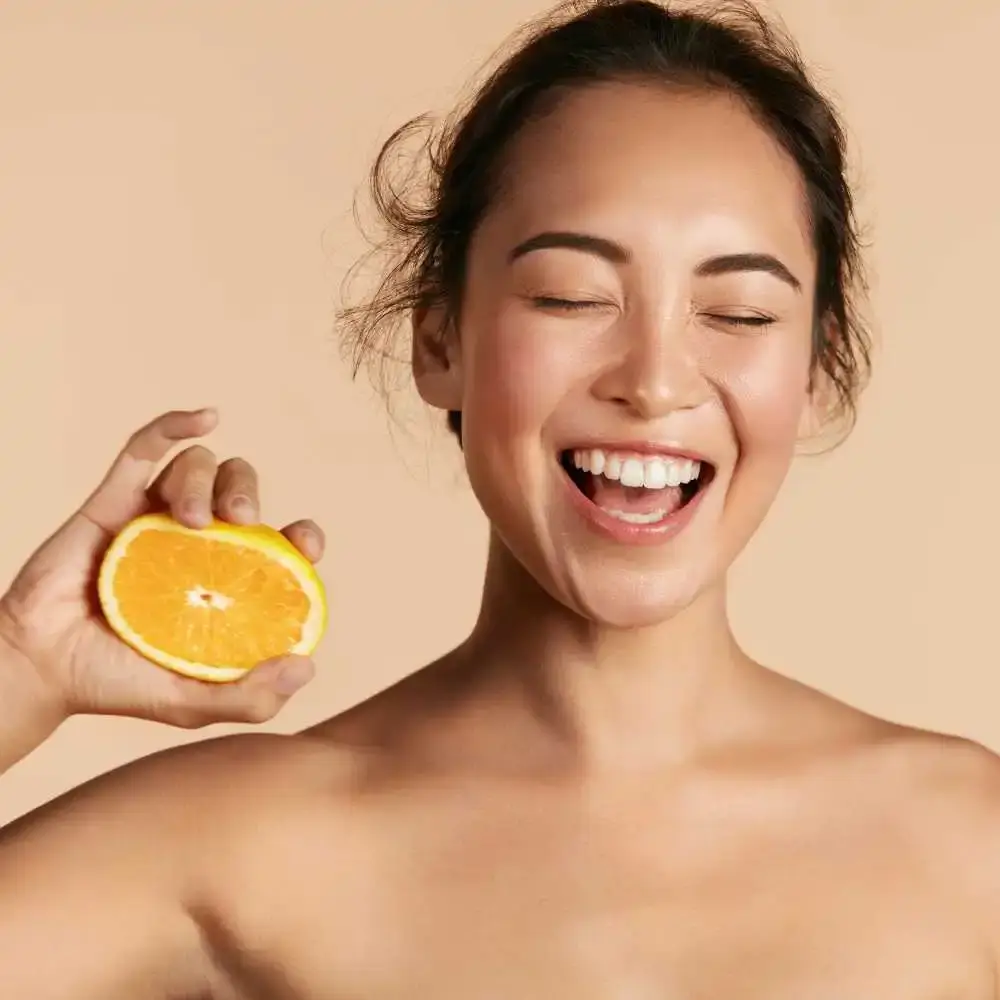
(633,518)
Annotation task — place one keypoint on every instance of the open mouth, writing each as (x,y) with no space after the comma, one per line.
(644,490)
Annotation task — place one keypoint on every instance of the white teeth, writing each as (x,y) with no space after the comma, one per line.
(655,476)
(654,472)
(634,518)
(632,473)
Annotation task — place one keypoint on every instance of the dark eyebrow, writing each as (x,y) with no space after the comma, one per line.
(615,253)
(611,251)
(736,262)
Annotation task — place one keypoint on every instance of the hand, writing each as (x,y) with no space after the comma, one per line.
(50,616)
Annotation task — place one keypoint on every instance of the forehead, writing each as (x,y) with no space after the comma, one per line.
(651,164)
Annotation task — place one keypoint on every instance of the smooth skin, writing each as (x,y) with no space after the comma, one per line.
(598,795)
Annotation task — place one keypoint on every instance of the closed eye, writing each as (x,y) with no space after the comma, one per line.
(744,321)
(579,305)
(566,305)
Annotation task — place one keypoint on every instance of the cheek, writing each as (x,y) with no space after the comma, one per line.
(512,382)
(765,385)
(764,388)
(512,379)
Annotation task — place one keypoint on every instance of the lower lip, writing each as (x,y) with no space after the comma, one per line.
(624,532)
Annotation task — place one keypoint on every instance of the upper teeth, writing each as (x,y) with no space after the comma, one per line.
(655,472)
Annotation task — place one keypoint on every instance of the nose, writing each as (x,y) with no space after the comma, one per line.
(655,370)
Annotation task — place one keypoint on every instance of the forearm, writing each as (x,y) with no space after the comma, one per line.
(29,715)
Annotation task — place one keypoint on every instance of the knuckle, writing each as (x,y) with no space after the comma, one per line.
(166,420)
(233,485)
(154,438)
(195,488)
(196,481)
(135,443)
(186,717)
(238,479)
(190,465)
(184,708)
(199,454)
(142,439)
(237,464)
(256,712)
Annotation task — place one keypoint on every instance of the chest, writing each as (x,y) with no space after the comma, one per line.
(646,917)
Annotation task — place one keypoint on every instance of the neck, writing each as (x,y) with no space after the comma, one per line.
(610,697)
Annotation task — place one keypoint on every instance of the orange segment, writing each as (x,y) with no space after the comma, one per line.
(210,603)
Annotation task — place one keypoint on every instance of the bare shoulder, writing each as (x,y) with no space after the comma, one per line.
(929,778)
(179,805)
(949,787)
(194,820)
(941,795)
(938,792)
(154,855)
(938,781)
(207,773)
(919,764)
(954,799)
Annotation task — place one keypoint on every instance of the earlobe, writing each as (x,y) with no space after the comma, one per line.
(436,359)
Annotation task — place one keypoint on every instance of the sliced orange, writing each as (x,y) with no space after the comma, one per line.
(213,602)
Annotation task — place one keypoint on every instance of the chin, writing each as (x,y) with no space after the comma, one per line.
(621,600)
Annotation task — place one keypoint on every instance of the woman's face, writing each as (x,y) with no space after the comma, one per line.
(638,311)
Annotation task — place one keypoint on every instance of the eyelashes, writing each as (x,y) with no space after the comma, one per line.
(566,305)
(753,322)
(554,304)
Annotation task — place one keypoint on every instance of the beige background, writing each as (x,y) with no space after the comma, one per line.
(175,190)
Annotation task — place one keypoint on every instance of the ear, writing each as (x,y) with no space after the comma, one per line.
(437,368)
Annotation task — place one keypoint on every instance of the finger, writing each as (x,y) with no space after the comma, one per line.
(121,495)
(307,536)
(255,698)
(237,492)
(186,487)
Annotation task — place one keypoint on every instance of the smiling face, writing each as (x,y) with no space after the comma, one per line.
(634,349)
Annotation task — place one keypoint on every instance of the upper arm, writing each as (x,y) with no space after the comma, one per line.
(96,887)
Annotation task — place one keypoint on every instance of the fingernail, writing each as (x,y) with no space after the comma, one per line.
(242,508)
(294,676)
(194,512)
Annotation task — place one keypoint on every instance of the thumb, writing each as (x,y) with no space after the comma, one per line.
(255,698)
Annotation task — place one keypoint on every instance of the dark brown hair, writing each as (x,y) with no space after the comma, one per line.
(429,213)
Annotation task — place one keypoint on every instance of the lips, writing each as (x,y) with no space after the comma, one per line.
(635,493)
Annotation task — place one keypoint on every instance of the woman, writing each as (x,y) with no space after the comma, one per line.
(632,291)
